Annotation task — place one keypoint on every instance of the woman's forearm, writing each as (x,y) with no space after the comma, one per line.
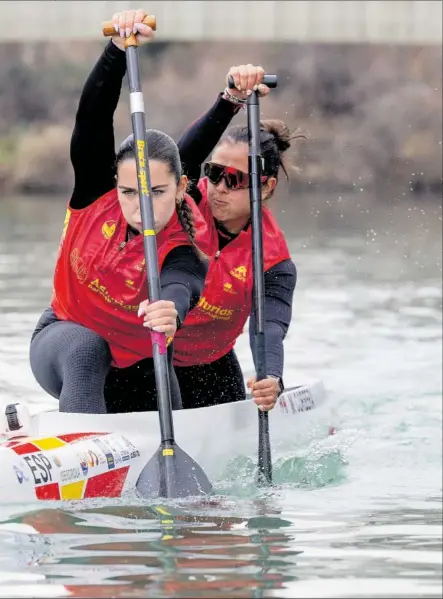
(280,284)
(92,142)
(201,137)
(182,279)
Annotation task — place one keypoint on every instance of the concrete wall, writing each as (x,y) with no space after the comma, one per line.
(375,21)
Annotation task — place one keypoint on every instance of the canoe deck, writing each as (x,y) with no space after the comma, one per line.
(76,456)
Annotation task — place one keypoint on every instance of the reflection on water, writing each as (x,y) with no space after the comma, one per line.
(180,554)
(357,514)
(205,550)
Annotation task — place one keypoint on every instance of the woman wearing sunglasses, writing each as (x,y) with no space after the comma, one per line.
(205,363)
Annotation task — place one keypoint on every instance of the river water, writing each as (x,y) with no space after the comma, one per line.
(356,514)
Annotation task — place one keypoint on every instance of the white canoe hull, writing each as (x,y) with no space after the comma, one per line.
(79,456)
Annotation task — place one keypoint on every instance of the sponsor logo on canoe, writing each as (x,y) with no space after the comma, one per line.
(40,467)
(299,400)
(84,466)
(21,476)
(127,449)
(121,449)
(78,265)
(283,405)
(215,312)
(88,459)
(101,290)
(117,449)
(108,229)
(92,458)
(112,449)
(107,453)
(239,273)
(110,460)
(133,451)
(101,457)
(69,474)
(57,461)
(228,288)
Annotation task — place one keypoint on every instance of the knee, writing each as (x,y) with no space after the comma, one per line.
(87,350)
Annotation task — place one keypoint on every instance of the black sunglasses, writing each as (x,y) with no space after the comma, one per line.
(234,178)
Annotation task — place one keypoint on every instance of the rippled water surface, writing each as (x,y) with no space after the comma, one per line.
(356,514)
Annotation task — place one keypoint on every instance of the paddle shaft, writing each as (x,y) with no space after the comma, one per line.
(255,171)
(150,247)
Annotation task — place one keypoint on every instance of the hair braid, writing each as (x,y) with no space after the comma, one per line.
(186,218)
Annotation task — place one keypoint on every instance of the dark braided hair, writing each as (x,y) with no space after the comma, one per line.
(275,140)
(186,218)
(164,149)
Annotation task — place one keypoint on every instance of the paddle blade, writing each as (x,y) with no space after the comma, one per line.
(172,473)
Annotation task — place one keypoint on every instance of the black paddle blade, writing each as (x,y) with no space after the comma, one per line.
(172,473)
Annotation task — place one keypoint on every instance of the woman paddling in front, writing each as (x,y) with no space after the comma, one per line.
(99,316)
(205,363)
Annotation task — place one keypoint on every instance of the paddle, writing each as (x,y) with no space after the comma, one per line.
(170,472)
(264,474)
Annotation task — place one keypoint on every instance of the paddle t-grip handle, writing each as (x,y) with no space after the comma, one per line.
(108,27)
(269,80)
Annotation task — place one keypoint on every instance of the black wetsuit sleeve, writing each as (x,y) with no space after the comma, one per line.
(182,279)
(198,141)
(280,281)
(92,142)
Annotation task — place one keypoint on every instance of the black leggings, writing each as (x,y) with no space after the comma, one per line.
(211,384)
(73,364)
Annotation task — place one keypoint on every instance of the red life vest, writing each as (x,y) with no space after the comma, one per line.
(100,279)
(211,329)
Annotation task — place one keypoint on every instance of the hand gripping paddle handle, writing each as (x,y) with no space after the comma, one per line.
(269,80)
(108,27)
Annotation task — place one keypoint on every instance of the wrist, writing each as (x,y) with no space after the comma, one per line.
(279,381)
(233,99)
(118,42)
